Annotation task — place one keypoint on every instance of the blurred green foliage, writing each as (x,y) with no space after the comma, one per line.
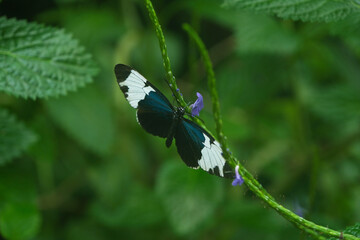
(15,137)
(76,165)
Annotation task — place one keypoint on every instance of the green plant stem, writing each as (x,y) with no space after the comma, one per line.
(213,93)
(170,78)
(305,225)
(309,227)
(301,223)
(215,99)
(298,221)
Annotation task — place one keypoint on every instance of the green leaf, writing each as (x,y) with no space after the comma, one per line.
(120,204)
(139,208)
(19,214)
(116,173)
(19,220)
(87,117)
(38,61)
(353,230)
(245,92)
(254,33)
(189,197)
(259,33)
(337,103)
(83,228)
(14,137)
(307,11)
(349,30)
(251,215)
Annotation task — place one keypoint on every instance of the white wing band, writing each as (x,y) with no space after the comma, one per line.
(136,88)
(211,156)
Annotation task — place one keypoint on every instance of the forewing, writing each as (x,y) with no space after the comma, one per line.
(198,148)
(153,116)
(154,111)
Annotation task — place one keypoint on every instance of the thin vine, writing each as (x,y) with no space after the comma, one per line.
(317,231)
(213,94)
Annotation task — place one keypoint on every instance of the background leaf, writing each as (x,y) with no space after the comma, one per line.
(258,33)
(312,11)
(288,96)
(254,33)
(19,214)
(337,103)
(189,198)
(19,221)
(40,61)
(14,137)
(139,207)
(86,116)
(353,230)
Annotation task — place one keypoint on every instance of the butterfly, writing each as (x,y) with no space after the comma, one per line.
(196,147)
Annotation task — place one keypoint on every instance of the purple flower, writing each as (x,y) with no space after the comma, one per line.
(238,179)
(197,106)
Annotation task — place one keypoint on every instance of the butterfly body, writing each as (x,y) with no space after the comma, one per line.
(157,116)
(177,118)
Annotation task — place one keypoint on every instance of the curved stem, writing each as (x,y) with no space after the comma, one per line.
(215,99)
(309,227)
(301,223)
(213,93)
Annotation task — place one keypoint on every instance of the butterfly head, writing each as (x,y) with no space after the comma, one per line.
(180,111)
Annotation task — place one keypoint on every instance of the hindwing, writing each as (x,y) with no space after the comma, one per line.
(198,148)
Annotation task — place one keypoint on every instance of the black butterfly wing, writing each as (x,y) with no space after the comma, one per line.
(198,148)
(155,114)
(154,111)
